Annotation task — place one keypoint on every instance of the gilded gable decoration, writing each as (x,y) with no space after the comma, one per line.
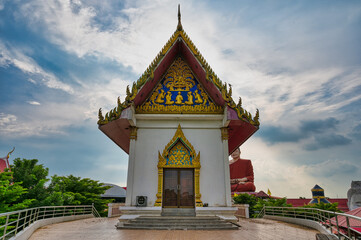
(179,153)
(179,92)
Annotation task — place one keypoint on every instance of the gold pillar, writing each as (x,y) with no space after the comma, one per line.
(158,202)
(196,190)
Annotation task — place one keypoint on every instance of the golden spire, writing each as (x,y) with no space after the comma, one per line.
(179,27)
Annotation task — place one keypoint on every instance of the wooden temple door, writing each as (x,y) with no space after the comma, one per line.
(178,190)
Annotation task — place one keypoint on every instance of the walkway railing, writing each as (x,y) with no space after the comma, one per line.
(11,223)
(343,225)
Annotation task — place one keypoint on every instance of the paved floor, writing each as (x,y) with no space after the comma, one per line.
(98,229)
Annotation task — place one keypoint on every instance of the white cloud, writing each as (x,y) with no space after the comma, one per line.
(15,57)
(33,102)
(129,43)
(263,68)
(6,119)
(274,171)
(2,3)
(31,80)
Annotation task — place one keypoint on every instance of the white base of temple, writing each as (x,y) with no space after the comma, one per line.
(226,213)
(204,134)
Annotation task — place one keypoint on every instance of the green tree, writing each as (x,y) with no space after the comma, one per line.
(32,176)
(245,198)
(272,202)
(73,190)
(10,193)
(332,207)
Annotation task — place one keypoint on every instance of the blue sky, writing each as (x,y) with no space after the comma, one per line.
(299,62)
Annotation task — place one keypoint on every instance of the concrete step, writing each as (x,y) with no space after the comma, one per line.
(174,220)
(178,212)
(198,218)
(177,223)
(189,223)
(232,227)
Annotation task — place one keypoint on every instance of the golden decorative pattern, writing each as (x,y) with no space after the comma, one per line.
(133,133)
(224,133)
(179,77)
(148,75)
(179,92)
(179,153)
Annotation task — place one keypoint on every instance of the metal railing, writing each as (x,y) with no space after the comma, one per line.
(11,223)
(339,224)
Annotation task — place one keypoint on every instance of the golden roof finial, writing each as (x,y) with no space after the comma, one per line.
(179,27)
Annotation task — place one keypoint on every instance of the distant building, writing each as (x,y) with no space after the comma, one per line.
(300,202)
(4,162)
(115,192)
(318,195)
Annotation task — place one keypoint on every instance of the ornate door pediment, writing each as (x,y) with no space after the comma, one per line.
(179,153)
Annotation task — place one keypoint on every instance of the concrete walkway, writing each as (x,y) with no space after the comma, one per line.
(98,229)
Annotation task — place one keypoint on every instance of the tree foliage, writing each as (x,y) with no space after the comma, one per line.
(33,177)
(10,193)
(245,198)
(71,190)
(332,207)
(30,180)
(256,204)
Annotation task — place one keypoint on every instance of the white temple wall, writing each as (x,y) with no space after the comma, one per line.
(205,137)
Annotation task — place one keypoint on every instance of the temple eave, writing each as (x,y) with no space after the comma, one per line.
(239,130)
(119,132)
(238,134)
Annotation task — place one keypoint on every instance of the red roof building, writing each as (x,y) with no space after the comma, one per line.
(354,224)
(4,163)
(298,202)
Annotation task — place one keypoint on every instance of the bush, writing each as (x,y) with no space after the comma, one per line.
(245,198)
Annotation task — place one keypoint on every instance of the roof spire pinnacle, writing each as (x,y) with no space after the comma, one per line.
(179,27)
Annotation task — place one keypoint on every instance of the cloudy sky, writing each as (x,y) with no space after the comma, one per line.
(299,62)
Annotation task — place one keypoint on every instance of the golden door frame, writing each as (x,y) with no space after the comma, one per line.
(192,162)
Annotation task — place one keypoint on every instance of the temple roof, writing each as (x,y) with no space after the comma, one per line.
(221,92)
(180,44)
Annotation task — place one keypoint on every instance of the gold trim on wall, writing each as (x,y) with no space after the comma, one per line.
(169,160)
(224,133)
(133,133)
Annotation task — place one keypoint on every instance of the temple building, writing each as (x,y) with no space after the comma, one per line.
(178,124)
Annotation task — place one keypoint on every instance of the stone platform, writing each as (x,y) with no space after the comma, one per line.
(226,213)
(177,223)
(99,229)
(188,218)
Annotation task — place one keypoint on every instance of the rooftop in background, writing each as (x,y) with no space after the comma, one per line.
(3,165)
(114,192)
(300,202)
